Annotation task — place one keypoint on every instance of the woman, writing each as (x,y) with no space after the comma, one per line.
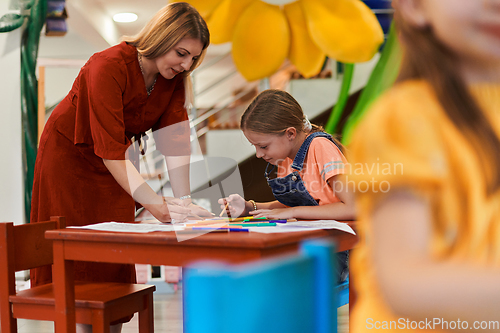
(83,169)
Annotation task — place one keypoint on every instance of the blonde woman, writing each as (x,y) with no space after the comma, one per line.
(83,169)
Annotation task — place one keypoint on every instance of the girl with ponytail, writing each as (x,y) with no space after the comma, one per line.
(310,182)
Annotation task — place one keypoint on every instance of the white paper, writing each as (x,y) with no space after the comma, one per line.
(322,224)
(279,229)
(304,226)
(129,227)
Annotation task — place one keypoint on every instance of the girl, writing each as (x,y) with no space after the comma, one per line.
(309,183)
(429,256)
(82,171)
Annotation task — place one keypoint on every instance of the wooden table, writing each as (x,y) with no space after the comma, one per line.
(162,248)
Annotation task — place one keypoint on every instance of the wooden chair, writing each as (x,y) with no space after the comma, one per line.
(293,294)
(24,247)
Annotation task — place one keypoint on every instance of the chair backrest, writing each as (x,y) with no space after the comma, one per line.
(292,294)
(23,247)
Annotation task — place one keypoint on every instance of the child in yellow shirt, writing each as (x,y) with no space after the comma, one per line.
(429,254)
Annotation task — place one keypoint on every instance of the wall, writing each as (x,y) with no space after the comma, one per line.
(58,81)
(62,57)
(11,178)
(315,96)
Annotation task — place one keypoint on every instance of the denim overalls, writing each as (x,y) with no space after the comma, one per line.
(291,191)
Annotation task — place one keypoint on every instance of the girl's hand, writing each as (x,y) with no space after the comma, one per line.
(236,205)
(278,213)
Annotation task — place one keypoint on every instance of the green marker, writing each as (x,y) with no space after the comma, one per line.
(262,224)
(255,218)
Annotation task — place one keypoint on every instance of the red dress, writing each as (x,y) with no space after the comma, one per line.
(106,107)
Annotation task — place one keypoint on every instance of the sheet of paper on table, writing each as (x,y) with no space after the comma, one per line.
(130,227)
(280,228)
(304,225)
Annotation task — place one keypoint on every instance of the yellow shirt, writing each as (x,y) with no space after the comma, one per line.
(407,140)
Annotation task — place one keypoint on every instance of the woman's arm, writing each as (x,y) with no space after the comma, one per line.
(132,182)
(178,174)
(415,284)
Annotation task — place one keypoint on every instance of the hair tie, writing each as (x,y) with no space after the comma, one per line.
(307,124)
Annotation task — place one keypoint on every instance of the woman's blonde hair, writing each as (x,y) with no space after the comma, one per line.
(427,58)
(273,111)
(168,27)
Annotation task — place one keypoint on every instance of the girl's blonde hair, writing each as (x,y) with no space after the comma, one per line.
(168,27)
(273,111)
(427,58)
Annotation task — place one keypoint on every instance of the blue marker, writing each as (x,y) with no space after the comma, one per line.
(238,230)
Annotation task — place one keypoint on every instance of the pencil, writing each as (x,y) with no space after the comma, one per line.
(225,207)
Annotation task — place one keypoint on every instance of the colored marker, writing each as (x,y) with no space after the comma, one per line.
(238,230)
(246,218)
(278,221)
(259,221)
(266,224)
(250,220)
(223,229)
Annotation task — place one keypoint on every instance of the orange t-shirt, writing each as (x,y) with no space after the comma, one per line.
(323,161)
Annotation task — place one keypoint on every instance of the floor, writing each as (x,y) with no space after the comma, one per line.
(168,318)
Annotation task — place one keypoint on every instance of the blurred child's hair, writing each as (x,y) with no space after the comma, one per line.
(427,58)
(273,111)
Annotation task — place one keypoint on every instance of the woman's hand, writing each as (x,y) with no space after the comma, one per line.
(168,210)
(278,213)
(236,205)
(198,211)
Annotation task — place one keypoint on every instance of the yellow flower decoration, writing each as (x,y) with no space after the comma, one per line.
(266,32)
